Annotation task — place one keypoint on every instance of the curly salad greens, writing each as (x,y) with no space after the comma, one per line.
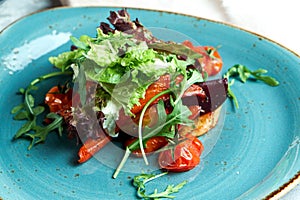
(127,85)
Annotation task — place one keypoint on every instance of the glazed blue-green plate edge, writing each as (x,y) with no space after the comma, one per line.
(288,166)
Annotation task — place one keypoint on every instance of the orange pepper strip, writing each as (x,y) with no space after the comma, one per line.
(91,147)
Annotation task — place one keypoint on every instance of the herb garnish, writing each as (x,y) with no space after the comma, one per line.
(140,181)
(244,73)
(29,111)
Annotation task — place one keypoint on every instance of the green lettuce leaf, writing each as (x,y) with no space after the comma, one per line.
(175,48)
(66,59)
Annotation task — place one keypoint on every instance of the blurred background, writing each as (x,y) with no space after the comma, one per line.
(277,20)
(11,10)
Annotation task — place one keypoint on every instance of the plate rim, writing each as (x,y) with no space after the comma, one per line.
(275,194)
(156,10)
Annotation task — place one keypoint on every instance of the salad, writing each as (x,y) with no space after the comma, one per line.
(125,85)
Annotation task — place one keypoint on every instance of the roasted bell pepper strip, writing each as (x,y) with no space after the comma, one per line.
(153,144)
(91,147)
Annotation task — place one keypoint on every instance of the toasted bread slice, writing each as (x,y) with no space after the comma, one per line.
(203,123)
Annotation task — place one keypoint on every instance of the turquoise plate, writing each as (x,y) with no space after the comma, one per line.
(255,157)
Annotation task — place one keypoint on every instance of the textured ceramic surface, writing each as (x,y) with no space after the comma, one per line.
(256,153)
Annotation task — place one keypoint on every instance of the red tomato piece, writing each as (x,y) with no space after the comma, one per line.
(186,155)
(211,60)
(216,62)
(162,84)
(152,145)
(58,101)
(129,124)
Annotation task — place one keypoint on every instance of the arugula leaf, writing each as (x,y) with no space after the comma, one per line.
(164,127)
(40,133)
(244,74)
(25,128)
(195,77)
(22,115)
(189,78)
(162,116)
(29,112)
(38,110)
(179,115)
(232,95)
(140,181)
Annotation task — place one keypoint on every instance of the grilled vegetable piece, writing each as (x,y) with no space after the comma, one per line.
(91,147)
(185,156)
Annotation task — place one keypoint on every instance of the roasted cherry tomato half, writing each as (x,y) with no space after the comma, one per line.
(211,61)
(216,62)
(59,100)
(186,155)
(152,145)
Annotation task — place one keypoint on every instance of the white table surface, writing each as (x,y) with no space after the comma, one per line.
(277,20)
